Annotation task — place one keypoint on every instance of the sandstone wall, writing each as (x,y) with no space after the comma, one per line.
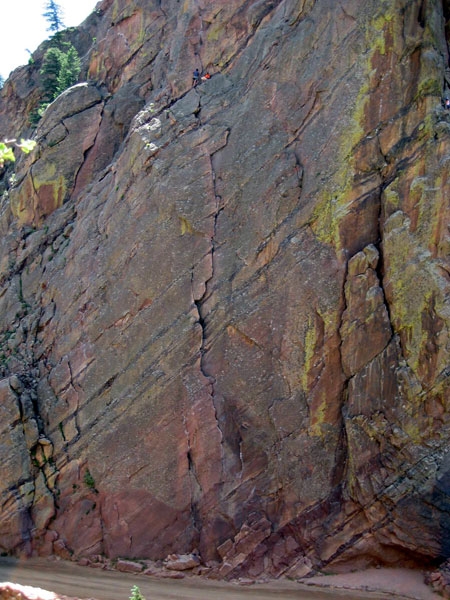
(225,310)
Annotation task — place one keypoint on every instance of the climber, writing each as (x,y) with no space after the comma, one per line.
(195,77)
(206,76)
(447,103)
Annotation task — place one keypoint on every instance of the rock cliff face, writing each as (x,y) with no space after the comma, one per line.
(225,310)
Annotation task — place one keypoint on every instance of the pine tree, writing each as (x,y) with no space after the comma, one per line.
(70,67)
(53,15)
(60,69)
(51,66)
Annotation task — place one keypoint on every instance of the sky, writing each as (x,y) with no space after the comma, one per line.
(23,27)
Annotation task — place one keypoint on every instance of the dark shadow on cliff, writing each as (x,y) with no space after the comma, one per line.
(440,501)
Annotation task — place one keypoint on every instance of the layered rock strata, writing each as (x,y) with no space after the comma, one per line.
(225,309)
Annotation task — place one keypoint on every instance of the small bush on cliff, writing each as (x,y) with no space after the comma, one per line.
(89,480)
(136,593)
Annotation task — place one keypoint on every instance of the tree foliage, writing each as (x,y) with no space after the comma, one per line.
(51,66)
(6,149)
(60,69)
(53,15)
(70,68)
(61,63)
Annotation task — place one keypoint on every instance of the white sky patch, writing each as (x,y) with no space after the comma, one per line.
(22,27)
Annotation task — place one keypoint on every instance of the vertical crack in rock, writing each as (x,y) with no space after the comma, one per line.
(61,122)
(26,521)
(204,437)
(43,496)
(197,111)
(342,449)
(364,316)
(38,494)
(163,12)
(197,45)
(196,488)
(200,302)
(379,267)
(101,521)
(380,272)
(76,411)
(421,15)
(24,490)
(87,151)
(33,185)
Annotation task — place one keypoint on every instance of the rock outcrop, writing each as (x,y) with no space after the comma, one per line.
(225,309)
(14,591)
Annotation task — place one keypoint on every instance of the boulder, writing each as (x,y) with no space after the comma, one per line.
(181,562)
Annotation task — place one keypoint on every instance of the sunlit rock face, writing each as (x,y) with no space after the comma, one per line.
(225,309)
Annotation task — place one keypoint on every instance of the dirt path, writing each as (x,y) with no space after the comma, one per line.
(82,582)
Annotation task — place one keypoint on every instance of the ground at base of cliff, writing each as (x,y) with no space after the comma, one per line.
(71,581)
(398,582)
